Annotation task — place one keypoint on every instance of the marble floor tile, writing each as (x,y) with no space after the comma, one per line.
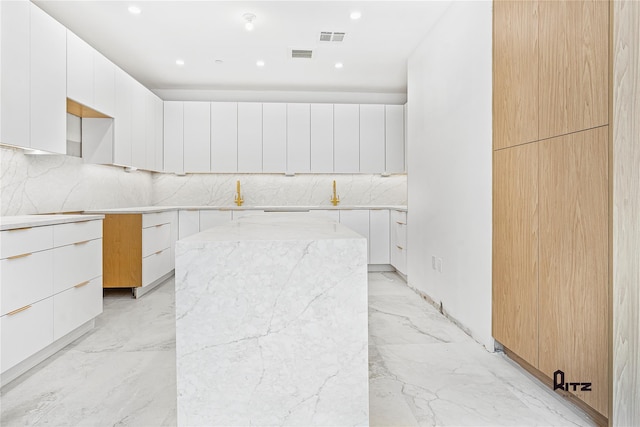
(423,371)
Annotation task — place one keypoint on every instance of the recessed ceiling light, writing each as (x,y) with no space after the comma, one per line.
(248,17)
(134,10)
(338,65)
(180,62)
(260,63)
(355,15)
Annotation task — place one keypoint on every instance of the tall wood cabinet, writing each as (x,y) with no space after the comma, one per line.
(551,191)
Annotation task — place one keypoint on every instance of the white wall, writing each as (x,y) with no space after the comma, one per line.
(449,165)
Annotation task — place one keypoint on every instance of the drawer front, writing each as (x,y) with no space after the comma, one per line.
(399,217)
(25,333)
(156,218)
(74,264)
(25,280)
(155,239)
(155,266)
(399,259)
(76,306)
(74,232)
(25,240)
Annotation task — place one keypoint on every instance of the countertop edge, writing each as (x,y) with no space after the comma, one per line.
(26,221)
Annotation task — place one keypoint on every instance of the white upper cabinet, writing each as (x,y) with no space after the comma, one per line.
(123,116)
(139,126)
(151,137)
(158,129)
(14,73)
(97,140)
(48,89)
(394,136)
(372,138)
(79,70)
(298,138)
(321,138)
(173,136)
(104,84)
(249,137)
(274,137)
(224,137)
(197,136)
(346,134)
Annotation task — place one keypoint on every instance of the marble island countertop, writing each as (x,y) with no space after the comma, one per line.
(280,208)
(24,221)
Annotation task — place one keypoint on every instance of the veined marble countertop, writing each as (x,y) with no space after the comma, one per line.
(280,208)
(23,221)
(271,323)
(300,226)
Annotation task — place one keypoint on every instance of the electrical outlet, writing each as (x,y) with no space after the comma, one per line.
(439,265)
(433,262)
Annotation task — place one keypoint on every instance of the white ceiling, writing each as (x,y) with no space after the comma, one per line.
(374,52)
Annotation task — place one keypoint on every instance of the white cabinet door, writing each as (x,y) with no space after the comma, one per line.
(372,150)
(346,130)
(212,218)
(249,137)
(76,306)
(158,109)
(48,90)
(321,138)
(104,84)
(197,138)
(14,73)
(139,126)
(394,138)
(224,137)
(358,221)
(97,140)
(298,138)
(274,137)
(240,214)
(150,131)
(188,223)
(379,236)
(123,116)
(173,136)
(334,215)
(79,70)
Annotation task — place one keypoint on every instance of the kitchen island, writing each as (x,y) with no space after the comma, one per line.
(271,323)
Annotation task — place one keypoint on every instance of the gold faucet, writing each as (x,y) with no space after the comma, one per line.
(238,199)
(335,199)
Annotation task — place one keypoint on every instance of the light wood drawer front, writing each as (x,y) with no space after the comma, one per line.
(26,332)
(76,306)
(156,218)
(74,232)
(25,280)
(25,240)
(74,264)
(155,266)
(155,239)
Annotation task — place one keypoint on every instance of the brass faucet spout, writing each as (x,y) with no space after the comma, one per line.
(238,198)
(335,199)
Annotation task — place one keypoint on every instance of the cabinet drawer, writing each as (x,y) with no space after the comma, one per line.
(399,217)
(155,266)
(155,239)
(156,218)
(25,240)
(399,259)
(76,306)
(74,264)
(26,332)
(25,280)
(74,232)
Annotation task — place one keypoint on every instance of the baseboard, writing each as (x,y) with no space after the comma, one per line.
(373,268)
(138,292)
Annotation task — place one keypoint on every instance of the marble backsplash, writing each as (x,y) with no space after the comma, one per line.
(32,184)
(278,189)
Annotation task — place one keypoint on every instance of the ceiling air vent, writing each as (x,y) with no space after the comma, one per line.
(301,53)
(328,36)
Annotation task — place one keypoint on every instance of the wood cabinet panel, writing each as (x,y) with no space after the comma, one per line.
(515,250)
(515,73)
(573,295)
(574,58)
(122,251)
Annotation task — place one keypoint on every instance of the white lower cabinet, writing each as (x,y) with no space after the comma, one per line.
(379,236)
(358,221)
(26,332)
(155,238)
(398,245)
(240,214)
(188,222)
(76,305)
(329,213)
(50,285)
(155,266)
(212,218)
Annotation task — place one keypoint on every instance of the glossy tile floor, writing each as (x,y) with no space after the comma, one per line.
(423,371)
